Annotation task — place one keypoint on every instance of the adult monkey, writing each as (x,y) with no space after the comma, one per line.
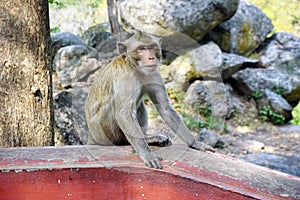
(115,110)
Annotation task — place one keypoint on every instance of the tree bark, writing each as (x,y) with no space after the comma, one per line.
(113,17)
(26,107)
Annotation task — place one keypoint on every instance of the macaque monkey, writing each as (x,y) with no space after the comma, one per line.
(115,109)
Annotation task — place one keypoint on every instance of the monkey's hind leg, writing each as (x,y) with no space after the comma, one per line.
(158,139)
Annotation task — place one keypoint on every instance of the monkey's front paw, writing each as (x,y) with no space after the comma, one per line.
(201,146)
(158,140)
(151,160)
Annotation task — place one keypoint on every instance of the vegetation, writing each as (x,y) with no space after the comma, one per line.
(76,16)
(197,117)
(63,3)
(267,112)
(257,94)
(285,15)
(296,115)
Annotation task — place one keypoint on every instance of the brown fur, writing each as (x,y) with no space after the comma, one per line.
(115,109)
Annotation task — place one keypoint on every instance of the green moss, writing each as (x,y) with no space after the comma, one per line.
(245,40)
(294,96)
(223,40)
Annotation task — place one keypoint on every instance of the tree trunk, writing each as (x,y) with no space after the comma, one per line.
(26,107)
(113,17)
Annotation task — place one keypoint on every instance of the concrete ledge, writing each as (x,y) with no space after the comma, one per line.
(102,172)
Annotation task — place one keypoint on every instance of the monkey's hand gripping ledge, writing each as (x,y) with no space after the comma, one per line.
(101,172)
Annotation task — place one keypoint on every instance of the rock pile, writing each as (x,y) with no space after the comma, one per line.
(211,41)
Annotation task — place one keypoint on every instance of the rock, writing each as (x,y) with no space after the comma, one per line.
(283,163)
(166,17)
(243,32)
(267,87)
(253,146)
(204,62)
(277,103)
(96,34)
(198,94)
(75,63)
(240,103)
(209,95)
(232,63)
(108,47)
(70,116)
(63,39)
(289,128)
(280,48)
(250,81)
(282,52)
(208,137)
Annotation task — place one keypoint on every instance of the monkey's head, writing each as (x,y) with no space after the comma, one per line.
(143,51)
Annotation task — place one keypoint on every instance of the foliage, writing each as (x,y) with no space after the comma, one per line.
(53,2)
(267,112)
(63,3)
(278,90)
(54,29)
(257,94)
(76,16)
(296,115)
(285,15)
(197,117)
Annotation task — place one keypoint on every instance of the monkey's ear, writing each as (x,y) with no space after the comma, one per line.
(122,48)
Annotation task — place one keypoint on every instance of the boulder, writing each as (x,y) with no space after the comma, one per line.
(165,17)
(210,95)
(252,80)
(69,114)
(282,52)
(277,103)
(204,62)
(268,87)
(282,47)
(75,63)
(233,63)
(283,163)
(243,32)
(208,137)
(63,39)
(96,34)
(108,47)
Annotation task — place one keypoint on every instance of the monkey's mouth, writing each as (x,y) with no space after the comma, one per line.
(150,66)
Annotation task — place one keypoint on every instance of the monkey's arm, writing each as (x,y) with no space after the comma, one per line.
(159,97)
(126,116)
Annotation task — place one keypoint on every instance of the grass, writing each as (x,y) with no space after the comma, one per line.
(285,15)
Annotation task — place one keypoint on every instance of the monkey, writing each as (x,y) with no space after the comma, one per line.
(115,108)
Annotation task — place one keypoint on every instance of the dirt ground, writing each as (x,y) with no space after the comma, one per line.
(267,138)
(246,135)
(240,140)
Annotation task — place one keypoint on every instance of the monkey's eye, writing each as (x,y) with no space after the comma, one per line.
(142,48)
(153,46)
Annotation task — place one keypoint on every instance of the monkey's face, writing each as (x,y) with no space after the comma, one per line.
(147,56)
(143,51)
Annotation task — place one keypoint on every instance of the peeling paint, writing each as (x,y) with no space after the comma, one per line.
(111,167)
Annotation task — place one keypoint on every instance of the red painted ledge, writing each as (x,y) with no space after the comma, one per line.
(100,172)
